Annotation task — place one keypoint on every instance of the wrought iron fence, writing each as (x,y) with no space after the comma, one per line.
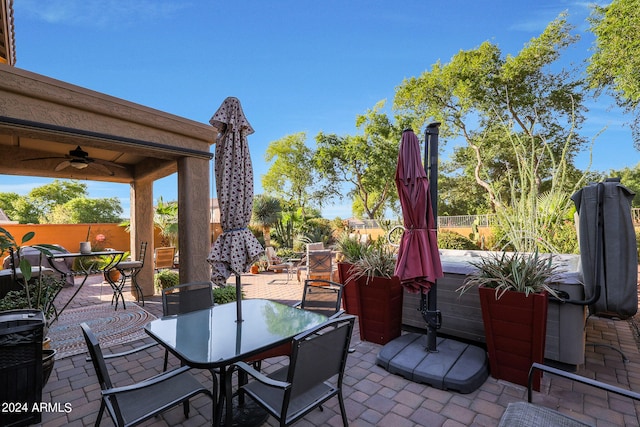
(463,221)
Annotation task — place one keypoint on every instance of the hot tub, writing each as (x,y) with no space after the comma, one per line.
(462,318)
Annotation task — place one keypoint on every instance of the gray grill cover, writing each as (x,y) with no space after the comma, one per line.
(618,262)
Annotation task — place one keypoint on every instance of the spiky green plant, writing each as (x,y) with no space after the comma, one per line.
(528,221)
(350,247)
(377,260)
(512,271)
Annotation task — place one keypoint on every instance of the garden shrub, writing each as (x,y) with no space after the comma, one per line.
(224,294)
(452,240)
(166,279)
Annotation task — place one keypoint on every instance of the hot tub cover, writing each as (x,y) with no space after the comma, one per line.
(609,253)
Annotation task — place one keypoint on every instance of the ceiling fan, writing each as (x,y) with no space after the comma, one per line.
(79,159)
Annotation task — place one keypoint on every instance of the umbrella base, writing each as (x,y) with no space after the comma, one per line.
(455,366)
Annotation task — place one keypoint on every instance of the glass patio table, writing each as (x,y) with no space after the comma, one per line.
(213,339)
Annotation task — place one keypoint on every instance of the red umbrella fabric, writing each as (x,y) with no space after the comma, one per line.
(418,264)
(236,248)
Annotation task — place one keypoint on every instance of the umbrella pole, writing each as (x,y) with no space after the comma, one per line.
(429,303)
(456,365)
(238,299)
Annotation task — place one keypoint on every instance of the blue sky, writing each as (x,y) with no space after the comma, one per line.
(296,65)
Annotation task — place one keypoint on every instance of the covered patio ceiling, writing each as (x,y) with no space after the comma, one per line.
(43,117)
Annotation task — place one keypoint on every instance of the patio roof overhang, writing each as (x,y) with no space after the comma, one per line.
(44,117)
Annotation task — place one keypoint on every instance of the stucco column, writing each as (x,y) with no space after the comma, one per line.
(193,219)
(142,231)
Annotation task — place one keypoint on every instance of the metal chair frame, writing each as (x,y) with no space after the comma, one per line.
(186,298)
(318,355)
(134,404)
(130,270)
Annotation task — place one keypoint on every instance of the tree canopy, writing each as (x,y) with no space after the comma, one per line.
(291,176)
(489,100)
(61,201)
(366,162)
(614,66)
(82,210)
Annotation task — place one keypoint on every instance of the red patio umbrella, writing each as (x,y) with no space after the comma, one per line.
(418,265)
(236,248)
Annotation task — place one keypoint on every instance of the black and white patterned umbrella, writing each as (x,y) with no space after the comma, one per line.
(236,248)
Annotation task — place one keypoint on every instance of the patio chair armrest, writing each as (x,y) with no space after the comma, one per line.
(336,314)
(148,382)
(261,377)
(584,380)
(126,353)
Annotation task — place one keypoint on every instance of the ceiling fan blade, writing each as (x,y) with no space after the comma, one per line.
(43,158)
(108,163)
(62,165)
(102,167)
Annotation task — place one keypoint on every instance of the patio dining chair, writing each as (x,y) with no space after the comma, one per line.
(183,298)
(318,296)
(186,298)
(131,405)
(319,265)
(163,258)
(525,414)
(318,355)
(323,297)
(130,270)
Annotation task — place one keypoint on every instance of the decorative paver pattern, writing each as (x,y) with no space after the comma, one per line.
(373,396)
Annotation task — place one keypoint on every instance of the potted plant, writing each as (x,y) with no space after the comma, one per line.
(37,293)
(255,268)
(165,279)
(378,293)
(104,261)
(350,250)
(513,289)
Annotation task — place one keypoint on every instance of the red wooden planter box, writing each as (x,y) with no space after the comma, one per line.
(350,294)
(376,302)
(515,328)
(380,309)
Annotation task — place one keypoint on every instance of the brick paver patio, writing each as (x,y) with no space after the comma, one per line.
(373,396)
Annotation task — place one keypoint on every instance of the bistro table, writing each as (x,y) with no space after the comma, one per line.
(213,339)
(86,270)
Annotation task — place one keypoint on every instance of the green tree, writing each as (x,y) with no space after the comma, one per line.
(291,176)
(59,192)
(7,201)
(39,202)
(364,162)
(267,210)
(480,93)
(82,210)
(615,64)
(165,217)
(630,178)
(24,212)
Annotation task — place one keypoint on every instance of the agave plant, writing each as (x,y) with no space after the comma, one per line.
(350,247)
(512,271)
(377,260)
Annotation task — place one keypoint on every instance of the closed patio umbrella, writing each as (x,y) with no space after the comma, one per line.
(236,248)
(418,265)
(442,363)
